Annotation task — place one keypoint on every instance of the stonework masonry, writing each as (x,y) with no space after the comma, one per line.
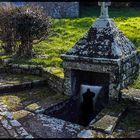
(59,9)
(54,82)
(103,49)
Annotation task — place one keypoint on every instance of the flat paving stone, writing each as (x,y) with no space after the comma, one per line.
(13,133)
(9,127)
(106,123)
(3,132)
(43,126)
(132,94)
(15,123)
(33,107)
(21,114)
(92,134)
(108,117)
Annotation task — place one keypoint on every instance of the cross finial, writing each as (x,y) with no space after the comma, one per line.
(104,9)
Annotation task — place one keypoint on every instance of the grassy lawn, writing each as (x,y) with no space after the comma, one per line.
(68,31)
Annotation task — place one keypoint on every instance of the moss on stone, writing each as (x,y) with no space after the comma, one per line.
(59,97)
(32,107)
(20,114)
(98,134)
(56,71)
(115,107)
(11,101)
(105,122)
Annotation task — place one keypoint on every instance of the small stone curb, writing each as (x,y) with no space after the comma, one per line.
(130,97)
(22,86)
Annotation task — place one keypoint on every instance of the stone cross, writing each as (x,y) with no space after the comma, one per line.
(104,9)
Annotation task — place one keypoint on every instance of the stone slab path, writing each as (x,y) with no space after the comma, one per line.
(9,127)
(43,126)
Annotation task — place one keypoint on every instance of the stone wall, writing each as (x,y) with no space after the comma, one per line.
(22,69)
(59,9)
(129,69)
(122,72)
(112,69)
(54,82)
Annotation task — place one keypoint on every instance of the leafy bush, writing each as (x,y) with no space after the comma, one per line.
(6,30)
(31,26)
(23,26)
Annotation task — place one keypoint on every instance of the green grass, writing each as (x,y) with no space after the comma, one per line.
(136,83)
(66,32)
(90,11)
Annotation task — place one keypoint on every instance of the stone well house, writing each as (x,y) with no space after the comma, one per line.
(103,56)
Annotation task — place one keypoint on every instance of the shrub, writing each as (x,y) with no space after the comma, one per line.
(31,27)
(23,26)
(7,32)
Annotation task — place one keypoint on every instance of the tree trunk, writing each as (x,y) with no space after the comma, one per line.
(25,48)
(8,48)
(9,44)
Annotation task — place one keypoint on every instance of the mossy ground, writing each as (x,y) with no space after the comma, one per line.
(20,100)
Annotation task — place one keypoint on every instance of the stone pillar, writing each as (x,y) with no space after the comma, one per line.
(68,82)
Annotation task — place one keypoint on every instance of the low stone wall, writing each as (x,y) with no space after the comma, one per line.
(59,9)
(7,67)
(54,82)
(21,86)
(23,69)
(55,107)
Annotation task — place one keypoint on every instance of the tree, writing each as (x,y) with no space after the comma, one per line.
(31,26)
(6,28)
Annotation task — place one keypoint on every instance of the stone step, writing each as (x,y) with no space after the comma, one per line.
(10,127)
(21,86)
(108,118)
